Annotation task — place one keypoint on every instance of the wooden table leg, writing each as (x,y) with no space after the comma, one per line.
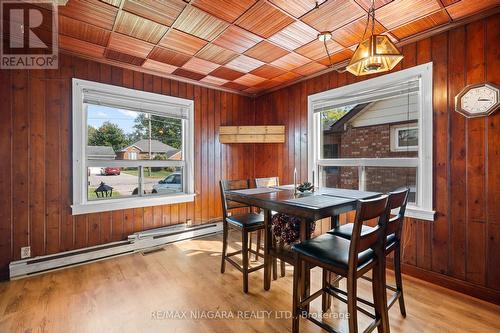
(267,243)
(274,260)
(334,221)
(305,234)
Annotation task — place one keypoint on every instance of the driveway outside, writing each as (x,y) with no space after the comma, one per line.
(123,183)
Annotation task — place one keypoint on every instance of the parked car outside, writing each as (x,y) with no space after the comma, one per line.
(110,171)
(171,184)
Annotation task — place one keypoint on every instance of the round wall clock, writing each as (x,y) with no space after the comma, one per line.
(478,100)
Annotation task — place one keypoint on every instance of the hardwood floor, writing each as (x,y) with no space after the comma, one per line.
(135,293)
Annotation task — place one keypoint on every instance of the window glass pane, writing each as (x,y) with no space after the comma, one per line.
(339,177)
(408,137)
(167,134)
(383,128)
(109,130)
(330,139)
(111,182)
(167,180)
(129,135)
(387,179)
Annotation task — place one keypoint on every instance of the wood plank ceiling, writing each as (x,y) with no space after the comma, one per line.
(249,46)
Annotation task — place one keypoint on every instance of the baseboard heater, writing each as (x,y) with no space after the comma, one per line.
(138,242)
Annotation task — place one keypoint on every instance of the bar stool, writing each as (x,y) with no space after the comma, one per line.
(350,259)
(270,182)
(397,200)
(243,222)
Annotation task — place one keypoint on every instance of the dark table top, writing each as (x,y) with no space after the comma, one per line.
(322,203)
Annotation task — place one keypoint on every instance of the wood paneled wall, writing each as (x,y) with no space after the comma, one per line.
(463,243)
(35,159)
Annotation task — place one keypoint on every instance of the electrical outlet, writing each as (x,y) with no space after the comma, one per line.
(189,222)
(25,252)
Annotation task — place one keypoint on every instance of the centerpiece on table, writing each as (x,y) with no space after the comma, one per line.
(305,187)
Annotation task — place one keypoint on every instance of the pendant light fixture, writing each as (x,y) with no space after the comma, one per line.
(376,54)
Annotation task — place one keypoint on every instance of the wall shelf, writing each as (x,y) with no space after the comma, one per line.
(252,134)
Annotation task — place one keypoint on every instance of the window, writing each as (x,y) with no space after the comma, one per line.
(404,137)
(376,135)
(130,148)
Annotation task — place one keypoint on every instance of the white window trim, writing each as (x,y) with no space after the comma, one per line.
(395,135)
(424,210)
(80,203)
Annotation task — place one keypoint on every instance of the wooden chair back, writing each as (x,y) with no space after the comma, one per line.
(267,182)
(397,200)
(375,239)
(228,185)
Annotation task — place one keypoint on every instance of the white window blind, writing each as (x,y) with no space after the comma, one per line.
(133,103)
(368,95)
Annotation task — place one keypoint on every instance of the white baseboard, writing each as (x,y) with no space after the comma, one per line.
(137,242)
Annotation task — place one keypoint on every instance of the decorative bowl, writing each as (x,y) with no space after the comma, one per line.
(305,187)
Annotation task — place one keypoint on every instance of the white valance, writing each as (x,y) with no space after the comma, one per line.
(368,95)
(152,105)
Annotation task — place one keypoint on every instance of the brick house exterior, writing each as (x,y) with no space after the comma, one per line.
(128,154)
(140,151)
(343,140)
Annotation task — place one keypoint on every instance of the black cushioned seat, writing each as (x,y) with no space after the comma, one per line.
(345,231)
(390,239)
(332,250)
(246,220)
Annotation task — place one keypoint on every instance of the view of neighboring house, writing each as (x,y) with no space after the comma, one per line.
(140,151)
(99,153)
(385,128)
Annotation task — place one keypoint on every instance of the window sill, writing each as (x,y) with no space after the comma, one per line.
(117,204)
(419,213)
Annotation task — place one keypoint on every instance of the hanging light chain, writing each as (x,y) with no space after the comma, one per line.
(327,52)
(371,14)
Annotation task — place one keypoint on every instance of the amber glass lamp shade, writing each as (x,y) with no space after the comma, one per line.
(374,55)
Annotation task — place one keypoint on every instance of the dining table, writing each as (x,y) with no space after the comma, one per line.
(308,207)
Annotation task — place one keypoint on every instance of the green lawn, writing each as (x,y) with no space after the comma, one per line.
(93,196)
(154,174)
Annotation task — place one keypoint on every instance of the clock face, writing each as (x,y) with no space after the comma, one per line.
(478,100)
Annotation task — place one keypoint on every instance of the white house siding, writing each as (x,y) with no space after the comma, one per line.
(388,111)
